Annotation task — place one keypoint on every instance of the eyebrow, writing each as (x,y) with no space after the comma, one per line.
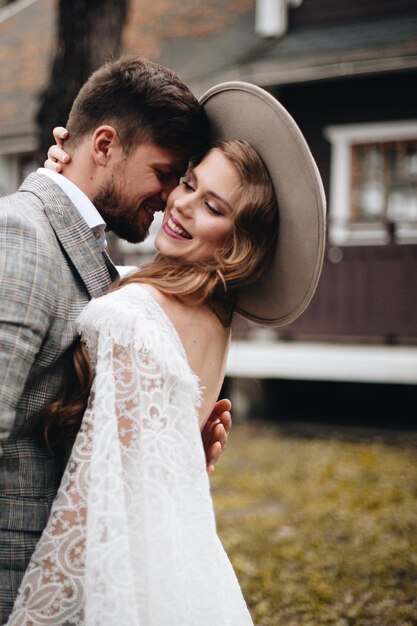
(170,170)
(192,173)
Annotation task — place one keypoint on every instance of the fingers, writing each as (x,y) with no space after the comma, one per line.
(60,134)
(220,435)
(226,421)
(53,165)
(56,157)
(223,405)
(216,432)
(219,408)
(58,154)
(222,425)
(215,452)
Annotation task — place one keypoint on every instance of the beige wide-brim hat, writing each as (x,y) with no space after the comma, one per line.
(239,110)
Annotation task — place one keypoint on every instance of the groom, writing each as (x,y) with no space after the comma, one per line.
(132,129)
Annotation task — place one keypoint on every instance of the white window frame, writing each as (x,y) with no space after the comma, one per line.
(342,232)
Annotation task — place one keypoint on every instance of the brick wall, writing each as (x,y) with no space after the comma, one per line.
(26,41)
(153,21)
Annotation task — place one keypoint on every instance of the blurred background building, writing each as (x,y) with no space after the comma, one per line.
(347,72)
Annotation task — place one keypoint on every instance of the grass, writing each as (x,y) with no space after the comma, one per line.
(320,529)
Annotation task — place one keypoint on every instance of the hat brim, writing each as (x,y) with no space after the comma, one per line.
(244,111)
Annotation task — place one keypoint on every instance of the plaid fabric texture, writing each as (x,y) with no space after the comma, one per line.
(50,266)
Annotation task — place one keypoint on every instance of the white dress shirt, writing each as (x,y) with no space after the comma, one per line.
(84,206)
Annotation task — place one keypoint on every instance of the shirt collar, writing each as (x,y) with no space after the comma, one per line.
(81,202)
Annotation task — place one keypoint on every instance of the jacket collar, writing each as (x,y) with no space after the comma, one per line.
(95,268)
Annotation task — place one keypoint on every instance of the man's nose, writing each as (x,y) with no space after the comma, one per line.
(166,189)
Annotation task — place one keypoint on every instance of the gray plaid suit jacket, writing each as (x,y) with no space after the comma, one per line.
(50,266)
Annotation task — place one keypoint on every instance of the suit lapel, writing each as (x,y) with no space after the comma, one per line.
(114,274)
(94,267)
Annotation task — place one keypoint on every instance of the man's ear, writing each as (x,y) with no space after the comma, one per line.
(105,145)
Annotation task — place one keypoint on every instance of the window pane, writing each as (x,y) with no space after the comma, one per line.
(384,182)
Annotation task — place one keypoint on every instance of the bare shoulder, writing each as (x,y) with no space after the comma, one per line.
(186,318)
(157,295)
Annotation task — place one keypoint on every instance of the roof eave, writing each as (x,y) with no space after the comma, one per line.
(269,73)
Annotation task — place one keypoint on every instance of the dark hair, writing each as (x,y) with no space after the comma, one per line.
(143,101)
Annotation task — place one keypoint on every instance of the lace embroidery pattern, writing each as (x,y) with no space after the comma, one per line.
(131,538)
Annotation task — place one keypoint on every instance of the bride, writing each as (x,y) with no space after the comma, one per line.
(131,539)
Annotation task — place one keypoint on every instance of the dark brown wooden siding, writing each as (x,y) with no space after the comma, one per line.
(370,293)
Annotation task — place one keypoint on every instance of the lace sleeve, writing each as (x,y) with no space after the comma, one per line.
(131,538)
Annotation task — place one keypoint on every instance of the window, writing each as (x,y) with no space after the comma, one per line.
(373,194)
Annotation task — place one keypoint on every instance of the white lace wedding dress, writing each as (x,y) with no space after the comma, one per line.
(131,539)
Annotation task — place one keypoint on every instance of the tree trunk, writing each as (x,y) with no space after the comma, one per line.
(89,33)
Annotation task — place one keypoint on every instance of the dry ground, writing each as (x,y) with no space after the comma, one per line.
(321,523)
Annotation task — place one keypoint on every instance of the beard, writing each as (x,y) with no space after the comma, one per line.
(124,219)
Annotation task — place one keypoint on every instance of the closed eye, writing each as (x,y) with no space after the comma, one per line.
(164,176)
(212,209)
(186,184)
